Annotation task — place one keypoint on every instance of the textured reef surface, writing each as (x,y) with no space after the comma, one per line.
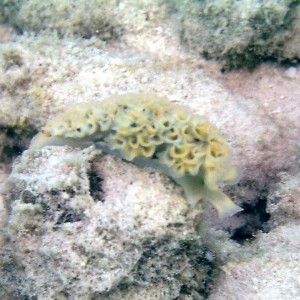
(86,229)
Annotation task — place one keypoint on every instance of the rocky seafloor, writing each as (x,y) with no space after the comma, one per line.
(80,224)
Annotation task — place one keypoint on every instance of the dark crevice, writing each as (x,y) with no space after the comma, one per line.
(256,219)
(13,141)
(95,180)
(69,216)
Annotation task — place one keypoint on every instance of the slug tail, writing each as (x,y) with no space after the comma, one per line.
(224,205)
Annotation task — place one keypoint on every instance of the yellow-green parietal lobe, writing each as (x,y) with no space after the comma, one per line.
(150,131)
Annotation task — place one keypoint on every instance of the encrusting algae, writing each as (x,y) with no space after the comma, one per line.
(150,131)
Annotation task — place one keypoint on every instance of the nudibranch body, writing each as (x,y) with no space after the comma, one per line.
(151,131)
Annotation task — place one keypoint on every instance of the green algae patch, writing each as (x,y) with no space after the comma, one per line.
(240,33)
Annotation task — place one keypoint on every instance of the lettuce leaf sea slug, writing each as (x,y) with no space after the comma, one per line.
(150,131)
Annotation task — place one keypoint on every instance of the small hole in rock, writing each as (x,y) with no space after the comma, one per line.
(96,190)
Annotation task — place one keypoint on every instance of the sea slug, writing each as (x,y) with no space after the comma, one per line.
(151,131)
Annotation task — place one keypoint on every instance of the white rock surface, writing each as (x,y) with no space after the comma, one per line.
(268,269)
(83,226)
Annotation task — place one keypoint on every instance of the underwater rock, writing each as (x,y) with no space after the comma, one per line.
(82,225)
(105,19)
(240,33)
(284,200)
(267,269)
